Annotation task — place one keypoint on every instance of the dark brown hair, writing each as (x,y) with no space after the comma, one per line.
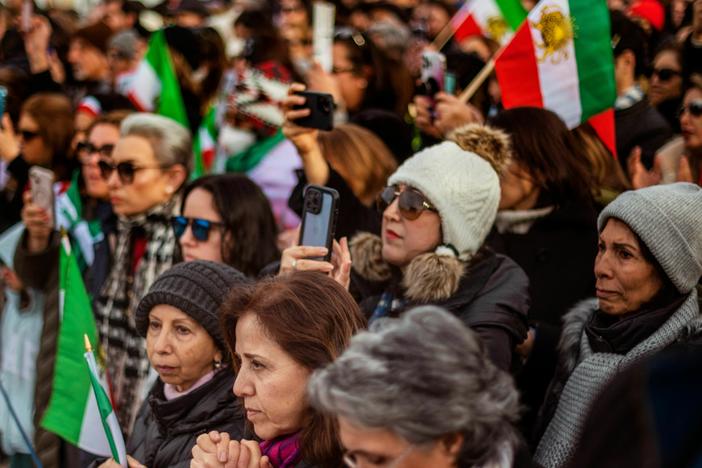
(312,318)
(543,146)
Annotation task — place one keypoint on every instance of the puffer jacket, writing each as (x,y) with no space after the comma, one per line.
(165,431)
(490,294)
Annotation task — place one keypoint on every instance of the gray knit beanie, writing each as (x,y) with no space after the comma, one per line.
(668,219)
(197,288)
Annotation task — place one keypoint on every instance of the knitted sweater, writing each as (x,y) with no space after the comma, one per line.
(587,373)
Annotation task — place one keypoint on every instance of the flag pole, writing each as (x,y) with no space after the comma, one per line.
(443,37)
(25,437)
(477,81)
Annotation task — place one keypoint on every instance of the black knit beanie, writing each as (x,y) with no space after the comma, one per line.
(197,288)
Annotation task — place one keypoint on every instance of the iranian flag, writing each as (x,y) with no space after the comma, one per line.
(495,19)
(561,59)
(74,413)
(155,88)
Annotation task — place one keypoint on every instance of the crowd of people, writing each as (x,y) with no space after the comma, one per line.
(502,290)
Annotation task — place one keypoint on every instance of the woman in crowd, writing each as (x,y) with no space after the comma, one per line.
(227,219)
(37,255)
(43,138)
(666,85)
(362,77)
(648,265)
(280,331)
(437,212)
(348,158)
(691,126)
(149,164)
(179,319)
(546,223)
(448,406)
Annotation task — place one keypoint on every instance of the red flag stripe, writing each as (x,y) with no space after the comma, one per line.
(518,73)
(467,28)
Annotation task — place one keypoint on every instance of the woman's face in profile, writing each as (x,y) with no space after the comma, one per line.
(270,382)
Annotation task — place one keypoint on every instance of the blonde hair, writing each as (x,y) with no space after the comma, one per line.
(360,157)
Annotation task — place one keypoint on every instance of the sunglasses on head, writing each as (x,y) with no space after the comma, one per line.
(664,74)
(694,108)
(199,227)
(88,148)
(28,134)
(125,170)
(411,203)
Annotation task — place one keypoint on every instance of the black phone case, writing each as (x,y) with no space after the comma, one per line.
(330,222)
(321,106)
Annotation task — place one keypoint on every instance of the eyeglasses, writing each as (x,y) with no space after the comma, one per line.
(199,227)
(88,148)
(351,459)
(411,203)
(338,71)
(694,108)
(28,134)
(664,74)
(125,170)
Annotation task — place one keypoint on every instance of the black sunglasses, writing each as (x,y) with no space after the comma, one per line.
(411,203)
(88,148)
(199,227)
(664,74)
(694,108)
(125,170)
(28,134)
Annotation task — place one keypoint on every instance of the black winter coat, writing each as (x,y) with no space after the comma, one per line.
(640,125)
(165,431)
(493,300)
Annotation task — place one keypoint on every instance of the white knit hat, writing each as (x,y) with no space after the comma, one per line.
(462,186)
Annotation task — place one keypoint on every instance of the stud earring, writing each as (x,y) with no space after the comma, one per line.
(217,365)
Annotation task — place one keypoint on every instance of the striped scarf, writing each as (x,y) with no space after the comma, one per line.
(125,351)
(283,452)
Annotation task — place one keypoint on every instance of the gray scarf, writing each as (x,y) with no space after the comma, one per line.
(588,373)
(125,351)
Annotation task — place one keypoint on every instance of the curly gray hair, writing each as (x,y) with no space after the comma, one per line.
(423,376)
(170,141)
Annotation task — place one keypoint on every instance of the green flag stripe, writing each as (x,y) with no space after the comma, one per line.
(170,102)
(513,12)
(593,53)
(103,404)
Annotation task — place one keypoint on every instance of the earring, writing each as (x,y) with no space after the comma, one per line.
(217,365)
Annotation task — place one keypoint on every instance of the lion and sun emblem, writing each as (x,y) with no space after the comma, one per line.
(557,30)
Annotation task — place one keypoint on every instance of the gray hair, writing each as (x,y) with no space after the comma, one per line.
(170,141)
(423,376)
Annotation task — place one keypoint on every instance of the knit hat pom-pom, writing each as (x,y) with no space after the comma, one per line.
(432,277)
(491,144)
(367,256)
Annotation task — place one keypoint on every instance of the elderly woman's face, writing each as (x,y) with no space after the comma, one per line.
(625,279)
(271,383)
(370,447)
(150,185)
(404,239)
(179,348)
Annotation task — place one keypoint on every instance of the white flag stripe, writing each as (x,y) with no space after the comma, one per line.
(485,10)
(558,71)
(92,437)
(148,88)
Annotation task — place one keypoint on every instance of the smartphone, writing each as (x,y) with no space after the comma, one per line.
(26,15)
(433,72)
(3,101)
(42,187)
(321,107)
(320,211)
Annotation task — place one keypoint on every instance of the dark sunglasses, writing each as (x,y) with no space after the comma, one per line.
(694,108)
(411,203)
(664,74)
(28,134)
(125,170)
(88,148)
(199,227)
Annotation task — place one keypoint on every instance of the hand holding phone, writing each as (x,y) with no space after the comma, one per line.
(321,106)
(41,187)
(319,216)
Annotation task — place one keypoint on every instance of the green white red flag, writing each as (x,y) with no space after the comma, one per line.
(494,19)
(74,413)
(561,59)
